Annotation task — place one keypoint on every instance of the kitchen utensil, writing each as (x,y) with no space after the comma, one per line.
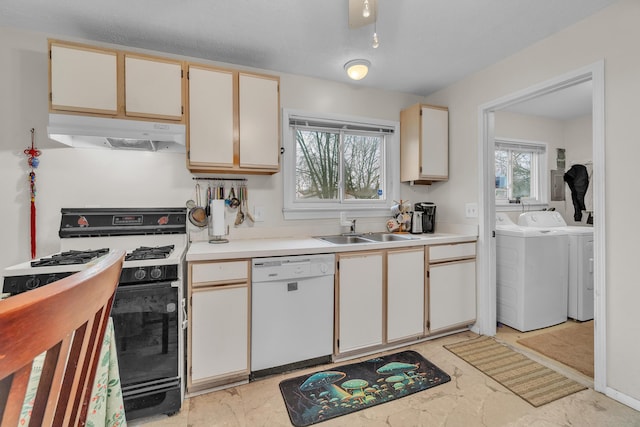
(233,200)
(207,208)
(197,214)
(240,215)
(245,200)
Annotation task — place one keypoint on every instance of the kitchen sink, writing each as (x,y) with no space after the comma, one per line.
(344,240)
(364,238)
(387,237)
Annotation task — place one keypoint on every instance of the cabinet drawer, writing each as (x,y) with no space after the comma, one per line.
(453,251)
(232,271)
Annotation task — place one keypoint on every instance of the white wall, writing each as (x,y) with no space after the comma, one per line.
(611,35)
(574,135)
(578,134)
(70,177)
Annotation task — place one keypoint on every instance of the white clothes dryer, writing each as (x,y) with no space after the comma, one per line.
(580,301)
(531,275)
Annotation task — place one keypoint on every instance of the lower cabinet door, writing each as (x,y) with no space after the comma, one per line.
(405,293)
(452,294)
(219,335)
(360,303)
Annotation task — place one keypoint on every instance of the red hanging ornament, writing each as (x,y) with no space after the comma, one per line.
(32,158)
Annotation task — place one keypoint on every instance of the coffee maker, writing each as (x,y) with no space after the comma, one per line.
(428,210)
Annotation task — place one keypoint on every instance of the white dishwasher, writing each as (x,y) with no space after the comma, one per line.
(291,312)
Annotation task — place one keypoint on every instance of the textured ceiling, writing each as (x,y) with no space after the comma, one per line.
(424,44)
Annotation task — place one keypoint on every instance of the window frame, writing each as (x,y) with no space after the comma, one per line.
(295,209)
(539,172)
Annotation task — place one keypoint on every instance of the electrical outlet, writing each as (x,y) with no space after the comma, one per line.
(471,210)
(258,213)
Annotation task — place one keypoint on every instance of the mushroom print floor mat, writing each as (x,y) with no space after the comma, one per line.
(344,389)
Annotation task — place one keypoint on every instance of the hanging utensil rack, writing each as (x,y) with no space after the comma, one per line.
(197,178)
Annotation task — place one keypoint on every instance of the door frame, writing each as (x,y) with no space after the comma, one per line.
(487,315)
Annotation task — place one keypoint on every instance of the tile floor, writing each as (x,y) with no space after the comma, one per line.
(470,399)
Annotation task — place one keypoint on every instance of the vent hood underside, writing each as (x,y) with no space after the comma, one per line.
(116,134)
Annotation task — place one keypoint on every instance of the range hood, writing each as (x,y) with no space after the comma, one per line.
(116,134)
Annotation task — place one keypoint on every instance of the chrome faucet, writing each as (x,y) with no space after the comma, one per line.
(352,227)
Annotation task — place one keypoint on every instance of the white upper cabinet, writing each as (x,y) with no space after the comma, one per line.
(211,122)
(424,144)
(83,79)
(234,121)
(96,81)
(153,87)
(259,122)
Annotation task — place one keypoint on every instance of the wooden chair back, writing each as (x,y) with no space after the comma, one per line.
(66,319)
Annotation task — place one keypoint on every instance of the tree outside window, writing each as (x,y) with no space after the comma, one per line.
(339,165)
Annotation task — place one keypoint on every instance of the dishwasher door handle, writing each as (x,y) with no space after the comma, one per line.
(292,286)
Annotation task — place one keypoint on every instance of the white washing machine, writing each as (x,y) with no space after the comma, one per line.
(580,260)
(531,275)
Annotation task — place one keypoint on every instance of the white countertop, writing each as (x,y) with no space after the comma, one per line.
(268,247)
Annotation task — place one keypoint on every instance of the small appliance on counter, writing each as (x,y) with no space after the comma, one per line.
(428,216)
(416,222)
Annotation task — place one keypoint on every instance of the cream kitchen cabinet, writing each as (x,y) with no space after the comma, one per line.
(83,79)
(105,82)
(219,324)
(379,298)
(405,293)
(234,124)
(451,286)
(424,144)
(359,301)
(153,87)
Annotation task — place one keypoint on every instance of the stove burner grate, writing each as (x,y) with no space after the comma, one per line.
(70,257)
(146,252)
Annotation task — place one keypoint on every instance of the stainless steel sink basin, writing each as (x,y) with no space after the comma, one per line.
(364,238)
(344,240)
(387,237)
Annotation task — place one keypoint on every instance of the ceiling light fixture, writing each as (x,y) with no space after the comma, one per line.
(357,69)
(376,41)
(365,9)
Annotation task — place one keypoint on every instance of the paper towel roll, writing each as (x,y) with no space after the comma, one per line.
(217,218)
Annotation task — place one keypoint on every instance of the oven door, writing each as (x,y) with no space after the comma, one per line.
(145,319)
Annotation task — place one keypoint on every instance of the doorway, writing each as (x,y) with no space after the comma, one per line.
(486,242)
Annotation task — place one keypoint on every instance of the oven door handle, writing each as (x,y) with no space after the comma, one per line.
(185,319)
(139,286)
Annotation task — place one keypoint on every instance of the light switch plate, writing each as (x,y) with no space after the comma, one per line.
(258,213)
(471,210)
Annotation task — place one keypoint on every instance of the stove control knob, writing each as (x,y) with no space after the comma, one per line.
(140,274)
(51,279)
(156,273)
(32,283)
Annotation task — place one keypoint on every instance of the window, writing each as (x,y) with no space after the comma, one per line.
(520,171)
(334,164)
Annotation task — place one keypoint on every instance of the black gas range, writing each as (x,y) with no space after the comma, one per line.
(148,309)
